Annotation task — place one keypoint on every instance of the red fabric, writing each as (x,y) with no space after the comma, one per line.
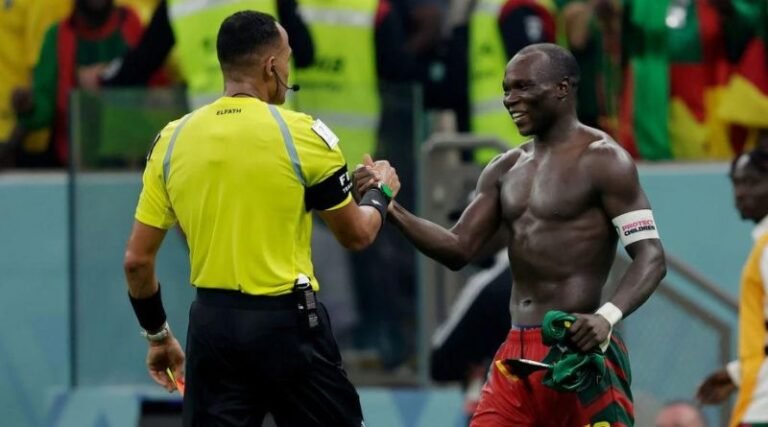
(753,64)
(65,51)
(627,115)
(382,11)
(513,402)
(70,30)
(547,17)
(738,136)
(131,28)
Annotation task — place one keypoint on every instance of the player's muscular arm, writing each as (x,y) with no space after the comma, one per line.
(615,179)
(454,248)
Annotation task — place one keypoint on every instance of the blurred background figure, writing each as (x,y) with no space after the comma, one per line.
(592,30)
(96,32)
(464,344)
(191,27)
(23,24)
(749,373)
(680,413)
(406,35)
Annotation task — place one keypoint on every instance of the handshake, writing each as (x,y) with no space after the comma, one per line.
(370,174)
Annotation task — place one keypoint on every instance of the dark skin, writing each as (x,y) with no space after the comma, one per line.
(555,196)
(750,191)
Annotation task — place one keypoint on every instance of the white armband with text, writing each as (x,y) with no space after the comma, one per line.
(635,226)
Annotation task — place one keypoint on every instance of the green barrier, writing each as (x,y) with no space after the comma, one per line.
(115,128)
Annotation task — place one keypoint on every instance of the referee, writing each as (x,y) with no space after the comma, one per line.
(240,177)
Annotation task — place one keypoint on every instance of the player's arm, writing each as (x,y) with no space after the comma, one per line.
(454,248)
(615,177)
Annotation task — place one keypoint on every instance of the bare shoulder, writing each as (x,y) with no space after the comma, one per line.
(605,158)
(499,165)
(506,160)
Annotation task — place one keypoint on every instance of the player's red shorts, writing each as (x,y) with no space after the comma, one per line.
(508,401)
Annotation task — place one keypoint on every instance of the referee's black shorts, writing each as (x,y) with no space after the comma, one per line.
(246,357)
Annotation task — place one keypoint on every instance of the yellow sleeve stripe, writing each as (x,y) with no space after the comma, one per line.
(288,141)
(167,158)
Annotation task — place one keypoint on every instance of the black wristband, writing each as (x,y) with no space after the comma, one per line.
(149,311)
(376,199)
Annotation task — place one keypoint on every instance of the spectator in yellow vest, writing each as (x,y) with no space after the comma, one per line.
(137,65)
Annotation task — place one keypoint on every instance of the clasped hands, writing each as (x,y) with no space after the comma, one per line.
(369,174)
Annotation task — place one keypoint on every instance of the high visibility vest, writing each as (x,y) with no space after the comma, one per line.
(195,26)
(340,88)
(487,63)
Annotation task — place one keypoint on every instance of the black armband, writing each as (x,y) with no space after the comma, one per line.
(329,193)
(149,311)
(375,198)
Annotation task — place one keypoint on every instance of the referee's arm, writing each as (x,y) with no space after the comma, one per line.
(354,226)
(154,216)
(329,186)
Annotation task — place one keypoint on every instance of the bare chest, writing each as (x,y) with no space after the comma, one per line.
(545,191)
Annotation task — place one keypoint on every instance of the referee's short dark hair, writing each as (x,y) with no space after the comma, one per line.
(244,34)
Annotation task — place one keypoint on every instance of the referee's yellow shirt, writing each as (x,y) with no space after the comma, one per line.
(236,175)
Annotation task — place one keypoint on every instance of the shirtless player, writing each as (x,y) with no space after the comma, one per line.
(562,197)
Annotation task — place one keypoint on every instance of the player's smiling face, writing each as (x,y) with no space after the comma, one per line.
(530,95)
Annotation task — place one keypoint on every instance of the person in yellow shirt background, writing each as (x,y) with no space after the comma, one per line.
(23,23)
(748,374)
(22,26)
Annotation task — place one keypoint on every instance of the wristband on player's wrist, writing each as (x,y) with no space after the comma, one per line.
(376,198)
(611,313)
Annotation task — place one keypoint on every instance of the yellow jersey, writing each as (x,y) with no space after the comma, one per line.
(240,177)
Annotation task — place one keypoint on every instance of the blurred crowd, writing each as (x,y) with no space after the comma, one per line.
(670,80)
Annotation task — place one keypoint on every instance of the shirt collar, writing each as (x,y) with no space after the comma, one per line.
(760,229)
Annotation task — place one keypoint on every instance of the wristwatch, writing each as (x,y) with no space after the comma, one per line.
(160,335)
(386,191)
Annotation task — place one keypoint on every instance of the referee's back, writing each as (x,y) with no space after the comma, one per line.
(241,176)
(235,172)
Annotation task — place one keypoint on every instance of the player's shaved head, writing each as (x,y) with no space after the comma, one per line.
(561,62)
